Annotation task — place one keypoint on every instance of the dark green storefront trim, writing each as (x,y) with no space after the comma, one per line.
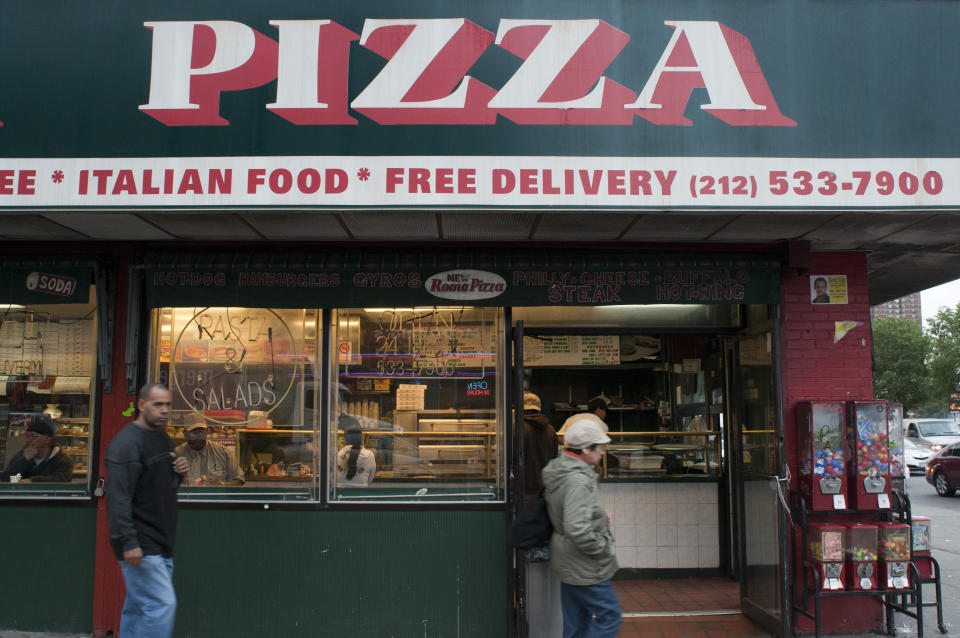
(339,573)
(50,282)
(47,568)
(526,277)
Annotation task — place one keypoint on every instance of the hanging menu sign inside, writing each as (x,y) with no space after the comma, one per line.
(571,350)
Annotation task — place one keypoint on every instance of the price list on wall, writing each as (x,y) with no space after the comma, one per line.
(571,350)
(47,348)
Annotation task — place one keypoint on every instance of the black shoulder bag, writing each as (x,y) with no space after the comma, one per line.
(531,527)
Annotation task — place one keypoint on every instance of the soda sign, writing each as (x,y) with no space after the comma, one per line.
(52,284)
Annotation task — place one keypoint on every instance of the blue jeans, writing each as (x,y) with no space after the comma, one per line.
(590,611)
(151,604)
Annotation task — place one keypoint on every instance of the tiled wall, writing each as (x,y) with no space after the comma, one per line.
(664,525)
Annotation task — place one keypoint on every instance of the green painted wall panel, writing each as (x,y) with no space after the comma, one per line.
(344,573)
(47,568)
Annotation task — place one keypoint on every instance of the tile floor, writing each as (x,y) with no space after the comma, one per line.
(648,603)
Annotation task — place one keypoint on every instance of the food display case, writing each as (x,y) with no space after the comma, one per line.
(895,444)
(635,454)
(823,478)
(436,443)
(861,557)
(868,471)
(826,554)
(894,554)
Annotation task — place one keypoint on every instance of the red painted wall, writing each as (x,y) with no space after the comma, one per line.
(109,590)
(814,368)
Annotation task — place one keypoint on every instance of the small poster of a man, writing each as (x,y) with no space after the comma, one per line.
(829,289)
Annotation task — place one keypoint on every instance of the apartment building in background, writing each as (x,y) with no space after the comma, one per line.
(907,307)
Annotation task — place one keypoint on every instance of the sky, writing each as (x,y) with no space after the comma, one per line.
(931,299)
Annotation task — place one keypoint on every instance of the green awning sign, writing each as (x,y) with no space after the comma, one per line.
(46,284)
(549,286)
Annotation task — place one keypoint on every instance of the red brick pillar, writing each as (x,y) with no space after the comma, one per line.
(815,368)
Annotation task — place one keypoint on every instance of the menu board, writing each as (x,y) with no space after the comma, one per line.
(571,350)
(47,348)
(425,343)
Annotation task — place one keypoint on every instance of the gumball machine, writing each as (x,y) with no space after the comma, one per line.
(826,553)
(869,469)
(862,557)
(823,478)
(895,444)
(920,537)
(894,555)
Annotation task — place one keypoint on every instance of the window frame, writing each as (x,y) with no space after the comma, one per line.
(74,492)
(304,494)
(502,416)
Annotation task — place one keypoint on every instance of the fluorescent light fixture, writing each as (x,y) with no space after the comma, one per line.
(11,306)
(417,309)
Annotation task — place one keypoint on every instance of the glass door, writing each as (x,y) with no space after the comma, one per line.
(757,461)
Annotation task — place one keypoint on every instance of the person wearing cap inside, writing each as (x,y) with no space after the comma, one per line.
(583,551)
(356,465)
(539,445)
(597,410)
(210,463)
(40,460)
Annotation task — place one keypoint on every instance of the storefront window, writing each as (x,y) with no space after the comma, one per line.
(242,382)
(416,404)
(48,359)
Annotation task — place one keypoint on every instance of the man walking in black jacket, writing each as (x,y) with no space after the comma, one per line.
(143,474)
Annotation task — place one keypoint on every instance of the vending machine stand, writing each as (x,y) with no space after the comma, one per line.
(810,584)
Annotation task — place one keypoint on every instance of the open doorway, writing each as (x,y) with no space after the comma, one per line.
(670,480)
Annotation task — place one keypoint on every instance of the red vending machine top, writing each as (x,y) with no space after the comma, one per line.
(827,553)
(862,557)
(869,468)
(894,553)
(920,531)
(823,477)
(920,534)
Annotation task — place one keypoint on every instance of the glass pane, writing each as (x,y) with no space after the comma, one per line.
(761,544)
(416,404)
(758,438)
(48,358)
(244,404)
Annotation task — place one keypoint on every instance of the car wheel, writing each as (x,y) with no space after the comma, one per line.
(943,486)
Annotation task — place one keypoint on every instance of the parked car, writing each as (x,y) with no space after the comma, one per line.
(916,457)
(943,470)
(931,433)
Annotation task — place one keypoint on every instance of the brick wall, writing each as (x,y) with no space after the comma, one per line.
(815,368)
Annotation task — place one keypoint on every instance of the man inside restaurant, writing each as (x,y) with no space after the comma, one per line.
(40,460)
(210,462)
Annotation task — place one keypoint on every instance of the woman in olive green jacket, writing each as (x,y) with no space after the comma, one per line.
(582,548)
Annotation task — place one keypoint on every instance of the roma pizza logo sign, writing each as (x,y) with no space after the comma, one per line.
(425,80)
(465,285)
